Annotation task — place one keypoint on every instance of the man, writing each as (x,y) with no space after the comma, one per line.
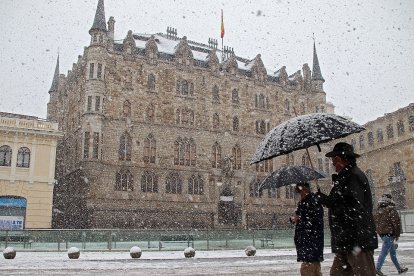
(388,224)
(308,232)
(353,236)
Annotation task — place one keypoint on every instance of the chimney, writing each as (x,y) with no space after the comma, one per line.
(111,28)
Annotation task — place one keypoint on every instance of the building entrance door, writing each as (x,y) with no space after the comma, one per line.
(226,208)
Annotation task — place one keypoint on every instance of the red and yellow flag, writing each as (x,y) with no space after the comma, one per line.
(222,25)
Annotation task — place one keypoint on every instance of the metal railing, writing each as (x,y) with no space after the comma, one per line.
(407,221)
(120,239)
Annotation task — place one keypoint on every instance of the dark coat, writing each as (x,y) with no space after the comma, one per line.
(388,220)
(309,230)
(350,212)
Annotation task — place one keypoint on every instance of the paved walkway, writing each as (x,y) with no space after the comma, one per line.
(223,262)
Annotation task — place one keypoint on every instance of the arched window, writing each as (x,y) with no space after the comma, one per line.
(216,121)
(179,148)
(149,149)
(305,160)
(184,87)
(149,182)
(185,152)
(216,94)
(151,82)
(178,116)
(126,109)
(23,157)
(260,127)
(195,185)
(287,107)
(235,96)
(191,86)
(191,117)
(150,113)
(235,123)
(125,147)
(261,101)
(173,183)
(236,155)
(5,156)
(124,181)
(216,156)
(380,136)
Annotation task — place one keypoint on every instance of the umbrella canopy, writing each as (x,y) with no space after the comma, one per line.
(290,175)
(302,132)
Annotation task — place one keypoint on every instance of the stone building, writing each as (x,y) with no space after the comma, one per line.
(27,171)
(387,155)
(159,133)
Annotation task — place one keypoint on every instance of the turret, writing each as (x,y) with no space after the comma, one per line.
(317,79)
(111,28)
(98,31)
(54,95)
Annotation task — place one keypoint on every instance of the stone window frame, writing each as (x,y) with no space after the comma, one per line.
(150,149)
(86,142)
(149,182)
(216,121)
(195,185)
(236,124)
(380,136)
(23,157)
(151,82)
(173,183)
(125,147)
(370,136)
(215,92)
(236,157)
(216,156)
(5,155)
(124,181)
(254,188)
(400,127)
(390,131)
(95,145)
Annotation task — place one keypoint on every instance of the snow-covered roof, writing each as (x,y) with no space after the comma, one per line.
(168,45)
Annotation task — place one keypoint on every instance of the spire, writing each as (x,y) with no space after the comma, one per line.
(55,82)
(316,70)
(99,22)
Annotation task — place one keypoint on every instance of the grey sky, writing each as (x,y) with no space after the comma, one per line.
(365,47)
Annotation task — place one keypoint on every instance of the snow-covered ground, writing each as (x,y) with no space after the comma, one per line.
(223,262)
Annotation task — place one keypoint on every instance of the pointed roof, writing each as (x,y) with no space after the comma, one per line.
(99,22)
(55,82)
(316,70)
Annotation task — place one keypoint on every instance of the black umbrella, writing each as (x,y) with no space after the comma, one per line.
(302,132)
(290,175)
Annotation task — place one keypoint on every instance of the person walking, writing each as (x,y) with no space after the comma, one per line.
(308,231)
(351,221)
(388,224)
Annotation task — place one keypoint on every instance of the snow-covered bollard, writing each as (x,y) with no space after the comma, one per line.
(73,253)
(135,252)
(189,252)
(250,251)
(9,253)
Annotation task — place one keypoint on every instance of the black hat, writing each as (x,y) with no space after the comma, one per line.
(342,149)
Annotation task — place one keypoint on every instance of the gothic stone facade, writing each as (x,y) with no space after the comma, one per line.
(159,133)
